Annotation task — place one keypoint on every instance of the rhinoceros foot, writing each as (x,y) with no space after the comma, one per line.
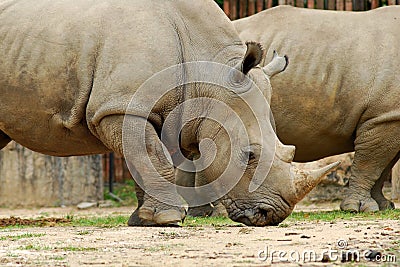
(163,218)
(171,216)
(201,211)
(134,220)
(386,205)
(364,204)
(216,210)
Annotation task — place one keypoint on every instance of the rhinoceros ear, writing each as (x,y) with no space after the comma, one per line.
(252,58)
(277,65)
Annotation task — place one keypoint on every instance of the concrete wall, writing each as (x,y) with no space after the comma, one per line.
(29,179)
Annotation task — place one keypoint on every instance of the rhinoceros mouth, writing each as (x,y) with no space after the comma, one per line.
(259,215)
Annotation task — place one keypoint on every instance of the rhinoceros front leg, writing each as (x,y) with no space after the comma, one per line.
(4,139)
(376,191)
(193,179)
(151,211)
(375,148)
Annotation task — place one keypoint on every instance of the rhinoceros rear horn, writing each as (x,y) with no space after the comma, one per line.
(277,65)
(252,58)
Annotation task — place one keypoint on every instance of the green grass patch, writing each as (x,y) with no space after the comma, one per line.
(58,258)
(83,233)
(47,248)
(35,247)
(70,220)
(71,248)
(18,237)
(163,247)
(125,191)
(107,221)
(335,215)
(209,221)
(217,222)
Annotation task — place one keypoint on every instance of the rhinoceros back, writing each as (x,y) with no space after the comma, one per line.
(47,60)
(65,64)
(342,72)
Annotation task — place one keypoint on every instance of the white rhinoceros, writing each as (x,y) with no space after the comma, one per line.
(341,91)
(72,75)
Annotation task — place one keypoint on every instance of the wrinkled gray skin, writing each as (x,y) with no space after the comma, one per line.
(341,90)
(68,70)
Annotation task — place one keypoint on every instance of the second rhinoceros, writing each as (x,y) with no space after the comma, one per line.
(341,91)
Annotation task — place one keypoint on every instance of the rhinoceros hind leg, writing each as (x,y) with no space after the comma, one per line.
(4,140)
(376,191)
(375,151)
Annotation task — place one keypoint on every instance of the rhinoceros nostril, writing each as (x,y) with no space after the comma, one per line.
(244,220)
(263,212)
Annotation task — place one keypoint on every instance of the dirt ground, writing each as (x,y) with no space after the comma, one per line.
(295,244)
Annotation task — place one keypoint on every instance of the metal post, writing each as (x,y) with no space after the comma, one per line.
(111,172)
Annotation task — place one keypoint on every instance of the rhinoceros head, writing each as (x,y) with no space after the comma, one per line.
(251,171)
(274,200)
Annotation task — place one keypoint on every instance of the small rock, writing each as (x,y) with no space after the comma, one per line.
(291,233)
(86,205)
(105,204)
(325,258)
(371,255)
(245,230)
(305,236)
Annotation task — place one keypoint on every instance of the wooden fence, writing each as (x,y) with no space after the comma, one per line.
(236,9)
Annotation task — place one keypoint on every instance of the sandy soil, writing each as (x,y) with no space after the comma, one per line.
(190,246)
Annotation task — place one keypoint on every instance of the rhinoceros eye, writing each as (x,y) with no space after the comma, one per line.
(250,155)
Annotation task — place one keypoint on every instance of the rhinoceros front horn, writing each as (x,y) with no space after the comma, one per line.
(304,181)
